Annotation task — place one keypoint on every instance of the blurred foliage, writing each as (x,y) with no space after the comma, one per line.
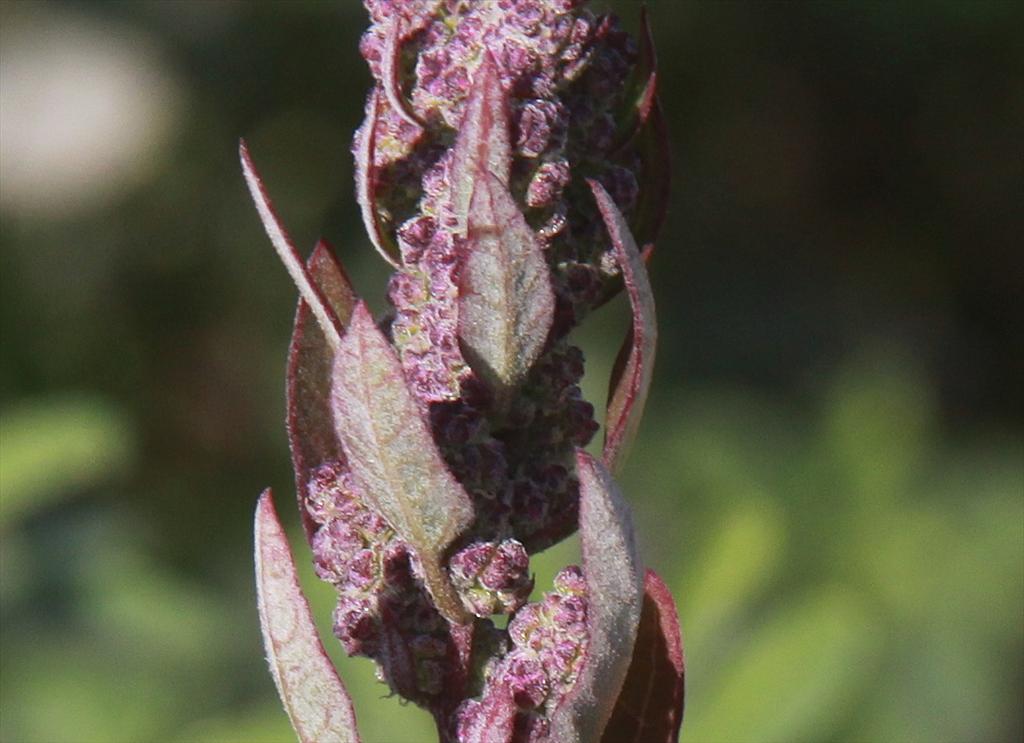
(830,476)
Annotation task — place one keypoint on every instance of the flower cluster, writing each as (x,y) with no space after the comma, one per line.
(511,150)
(548,640)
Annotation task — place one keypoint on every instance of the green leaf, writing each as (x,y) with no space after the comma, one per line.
(393,456)
(506,303)
(314,697)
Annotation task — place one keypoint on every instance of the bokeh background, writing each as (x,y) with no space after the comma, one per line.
(831,473)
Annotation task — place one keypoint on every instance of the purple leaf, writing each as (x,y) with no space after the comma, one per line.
(641,98)
(614,580)
(627,398)
(391,60)
(366,182)
(655,178)
(506,303)
(392,454)
(482,144)
(310,360)
(650,708)
(286,250)
(313,695)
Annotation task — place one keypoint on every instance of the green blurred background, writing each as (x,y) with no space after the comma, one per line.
(831,473)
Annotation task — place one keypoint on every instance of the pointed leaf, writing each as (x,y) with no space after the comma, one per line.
(310,360)
(506,303)
(650,708)
(614,580)
(286,250)
(640,97)
(483,143)
(366,182)
(391,61)
(655,177)
(313,696)
(626,401)
(392,454)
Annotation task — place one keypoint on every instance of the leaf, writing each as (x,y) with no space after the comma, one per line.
(650,708)
(611,567)
(313,696)
(393,456)
(641,95)
(311,434)
(391,59)
(655,177)
(626,399)
(483,143)
(506,303)
(286,250)
(366,182)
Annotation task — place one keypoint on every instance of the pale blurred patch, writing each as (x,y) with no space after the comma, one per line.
(85,111)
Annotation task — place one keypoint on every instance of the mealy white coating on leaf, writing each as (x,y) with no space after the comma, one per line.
(392,454)
(365,180)
(506,303)
(614,578)
(483,143)
(286,250)
(313,696)
(626,406)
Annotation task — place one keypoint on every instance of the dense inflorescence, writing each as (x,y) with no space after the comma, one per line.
(500,146)
(547,643)
(564,71)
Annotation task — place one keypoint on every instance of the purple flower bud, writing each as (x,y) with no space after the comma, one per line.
(547,183)
(334,546)
(356,625)
(492,577)
(569,582)
(541,124)
(527,680)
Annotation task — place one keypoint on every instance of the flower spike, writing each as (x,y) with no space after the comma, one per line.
(437,448)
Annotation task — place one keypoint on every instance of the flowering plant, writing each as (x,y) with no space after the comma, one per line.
(511,151)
